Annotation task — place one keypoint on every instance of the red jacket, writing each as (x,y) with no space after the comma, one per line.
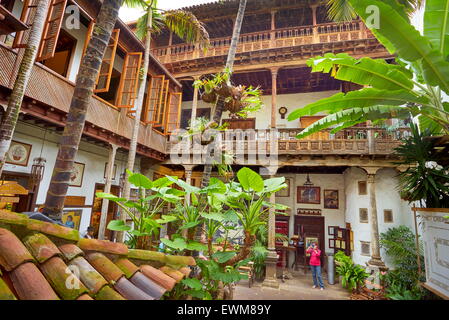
(315,257)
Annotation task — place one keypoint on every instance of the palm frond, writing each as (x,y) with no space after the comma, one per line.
(340,10)
(185,25)
(157,25)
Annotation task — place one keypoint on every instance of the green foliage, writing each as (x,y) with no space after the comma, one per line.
(412,87)
(353,275)
(424,179)
(402,283)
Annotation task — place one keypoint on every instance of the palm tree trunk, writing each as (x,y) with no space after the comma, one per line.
(82,96)
(219,108)
(140,98)
(11,116)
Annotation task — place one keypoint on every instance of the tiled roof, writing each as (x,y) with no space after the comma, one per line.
(44,261)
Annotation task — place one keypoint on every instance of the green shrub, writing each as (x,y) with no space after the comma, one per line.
(353,275)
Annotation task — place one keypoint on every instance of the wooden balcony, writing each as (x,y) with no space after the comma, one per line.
(48,98)
(352,141)
(271,39)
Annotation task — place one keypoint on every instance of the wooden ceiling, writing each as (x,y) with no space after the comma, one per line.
(295,80)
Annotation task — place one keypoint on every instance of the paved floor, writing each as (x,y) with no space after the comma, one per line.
(298,288)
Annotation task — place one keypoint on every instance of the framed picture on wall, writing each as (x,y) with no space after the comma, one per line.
(76,179)
(114,171)
(311,195)
(19,153)
(285,193)
(72,218)
(331,199)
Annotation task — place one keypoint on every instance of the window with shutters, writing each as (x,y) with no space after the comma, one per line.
(174,112)
(365,248)
(363,215)
(154,98)
(107,64)
(27,17)
(129,80)
(162,109)
(60,62)
(52,29)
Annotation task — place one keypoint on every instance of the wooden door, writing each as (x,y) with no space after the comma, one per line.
(307,121)
(308,226)
(282,227)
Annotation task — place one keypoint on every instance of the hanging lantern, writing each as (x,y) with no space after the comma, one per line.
(37,171)
(308,183)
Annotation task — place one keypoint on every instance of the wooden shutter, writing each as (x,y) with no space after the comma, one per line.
(154,97)
(162,110)
(107,65)
(173,118)
(27,17)
(90,30)
(51,30)
(129,80)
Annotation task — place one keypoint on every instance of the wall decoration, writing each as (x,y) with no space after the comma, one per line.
(311,195)
(363,188)
(285,193)
(114,172)
(19,153)
(72,218)
(331,199)
(309,212)
(76,179)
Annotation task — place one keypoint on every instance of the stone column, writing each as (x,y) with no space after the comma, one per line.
(195,100)
(274,76)
(314,23)
(376,260)
(273,29)
(107,189)
(272,258)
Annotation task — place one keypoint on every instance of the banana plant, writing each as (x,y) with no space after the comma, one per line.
(412,87)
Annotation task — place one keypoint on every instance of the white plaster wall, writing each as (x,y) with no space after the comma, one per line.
(94,157)
(387,198)
(263,117)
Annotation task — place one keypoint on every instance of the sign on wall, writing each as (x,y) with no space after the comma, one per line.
(436,250)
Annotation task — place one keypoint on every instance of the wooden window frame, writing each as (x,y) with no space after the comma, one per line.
(28,7)
(123,79)
(162,110)
(390,212)
(154,107)
(168,130)
(42,55)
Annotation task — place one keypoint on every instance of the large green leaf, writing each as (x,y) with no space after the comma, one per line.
(223,257)
(118,225)
(178,244)
(359,114)
(405,41)
(140,181)
(250,180)
(109,197)
(274,184)
(436,24)
(184,185)
(366,71)
(367,97)
(193,283)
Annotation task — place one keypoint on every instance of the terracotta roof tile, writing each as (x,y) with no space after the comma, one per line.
(103,246)
(105,266)
(41,247)
(5,291)
(130,291)
(158,276)
(8,217)
(186,271)
(148,286)
(175,274)
(71,251)
(30,284)
(107,293)
(85,297)
(12,252)
(128,268)
(180,260)
(53,230)
(88,275)
(142,256)
(63,281)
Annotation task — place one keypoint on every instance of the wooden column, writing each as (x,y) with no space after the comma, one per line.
(107,189)
(314,23)
(273,29)
(376,259)
(170,39)
(272,257)
(195,100)
(274,76)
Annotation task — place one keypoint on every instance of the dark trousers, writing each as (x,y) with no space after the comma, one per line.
(316,275)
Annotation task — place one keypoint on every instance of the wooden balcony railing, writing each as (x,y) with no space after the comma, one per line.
(271,39)
(351,141)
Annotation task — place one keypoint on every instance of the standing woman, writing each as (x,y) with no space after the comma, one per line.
(315,265)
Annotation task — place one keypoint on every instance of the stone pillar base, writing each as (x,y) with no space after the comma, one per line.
(270,271)
(377,263)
